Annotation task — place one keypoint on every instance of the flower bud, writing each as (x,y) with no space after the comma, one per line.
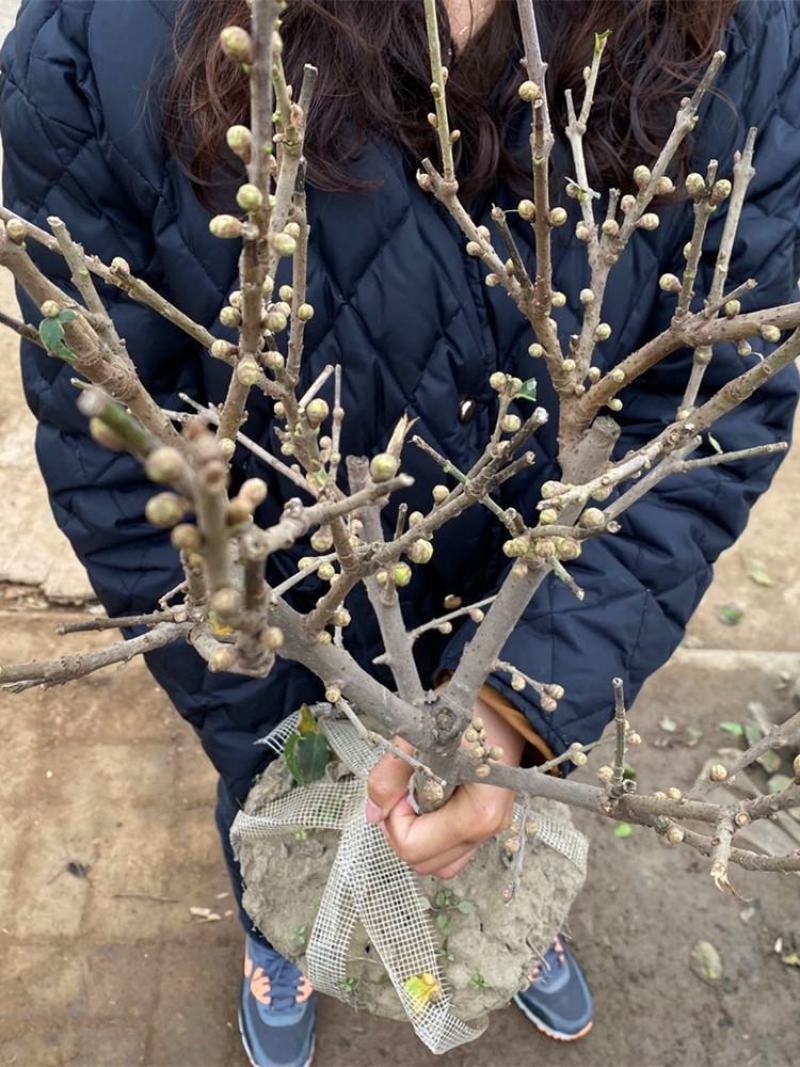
(286,292)
(50,309)
(732,308)
(675,835)
(720,191)
(249,197)
(324,638)
(551,489)
(582,232)
(440,493)
(284,244)
(558,300)
(421,551)
(236,43)
(248,371)
(529,91)
(544,547)
(276,321)
(317,410)
(517,683)
(515,547)
(610,227)
(305,312)
(605,773)
(579,759)
(341,617)
(567,548)
(593,519)
(237,512)
(510,423)
(483,770)
(649,221)
(186,538)
(226,603)
(744,348)
(615,404)
(627,203)
(445,628)
(230,317)
(770,333)
(664,186)
(239,141)
(165,509)
(17,231)
(547,516)
(164,465)
(498,381)
(293,229)
(492,280)
(642,175)
(558,216)
(586,296)
(741,818)
(670,283)
(424,181)
(274,360)
(674,793)
(602,331)
(717,772)
(333,694)
(383,467)
(527,210)
(226,226)
(401,574)
(594,374)
(326,571)
(695,185)
(634,738)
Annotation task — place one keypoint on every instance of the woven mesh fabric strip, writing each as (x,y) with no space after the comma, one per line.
(369,884)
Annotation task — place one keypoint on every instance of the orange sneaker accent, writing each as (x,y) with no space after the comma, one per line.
(304,990)
(260,986)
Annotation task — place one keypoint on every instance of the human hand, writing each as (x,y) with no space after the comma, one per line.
(442,842)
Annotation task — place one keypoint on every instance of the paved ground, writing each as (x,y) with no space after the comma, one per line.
(107,841)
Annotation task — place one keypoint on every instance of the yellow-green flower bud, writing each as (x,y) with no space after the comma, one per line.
(284,244)
(401,574)
(529,91)
(50,309)
(236,43)
(602,331)
(527,210)
(558,216)
(670,283)
(642,175)
(383,467)
(317,410)
(421,551)
(305,312)
(248,371)
(440,493)
(695,185)
(226,226)
(770,333)
(249,197)
(165,509)
(586,296)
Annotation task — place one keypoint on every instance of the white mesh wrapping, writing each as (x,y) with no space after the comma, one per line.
(369,884)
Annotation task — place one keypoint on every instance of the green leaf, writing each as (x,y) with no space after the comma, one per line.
(770,761)
(440,899)
(734,728)
(791,960)
(51,333)
(731,614)
(752,733)
(421,989)
(443,922)
(600,40)
(307,756)
(528,390)
(465,907)
(67,315)
(623,830)
(668,725)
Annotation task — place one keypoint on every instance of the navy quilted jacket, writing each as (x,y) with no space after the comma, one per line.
(404,310)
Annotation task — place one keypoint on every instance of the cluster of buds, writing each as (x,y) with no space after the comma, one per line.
(475,741)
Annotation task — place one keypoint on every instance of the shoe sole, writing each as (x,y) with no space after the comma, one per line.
(543,1028)
(249,1054)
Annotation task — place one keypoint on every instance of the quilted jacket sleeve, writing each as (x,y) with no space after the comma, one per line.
(56,164)
(643,584)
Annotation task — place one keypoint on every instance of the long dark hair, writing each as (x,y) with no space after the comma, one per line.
(374,76)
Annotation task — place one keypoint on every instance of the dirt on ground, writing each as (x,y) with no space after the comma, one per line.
(107,844)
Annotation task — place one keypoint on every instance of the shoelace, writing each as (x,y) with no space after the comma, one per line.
(554,958)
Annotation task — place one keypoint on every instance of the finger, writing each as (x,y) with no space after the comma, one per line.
(387,783)
(452,869)
(442,863)
(418,839)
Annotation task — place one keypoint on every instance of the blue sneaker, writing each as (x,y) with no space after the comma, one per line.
(277,1011)
(558,1001)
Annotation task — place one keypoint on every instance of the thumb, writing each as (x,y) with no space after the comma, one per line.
(387,783)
